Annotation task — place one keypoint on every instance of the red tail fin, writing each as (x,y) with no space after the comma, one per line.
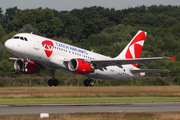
(133,49)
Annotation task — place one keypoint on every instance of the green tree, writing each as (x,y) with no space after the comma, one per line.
(41,19)
(94,26)
(6,69)
(28,28)
(1,83)
(10,14)
(2,32)
(70,26)
(2,51)
(1,16)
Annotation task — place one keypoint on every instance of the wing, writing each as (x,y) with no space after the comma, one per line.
(119,62)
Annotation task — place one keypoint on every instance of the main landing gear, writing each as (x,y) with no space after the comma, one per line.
(53,82)
(88,82)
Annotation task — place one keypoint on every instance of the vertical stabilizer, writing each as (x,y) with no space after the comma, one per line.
(133,49)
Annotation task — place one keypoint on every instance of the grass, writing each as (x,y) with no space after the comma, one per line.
(81,100)
(67,91)
(78,95)
(100,116)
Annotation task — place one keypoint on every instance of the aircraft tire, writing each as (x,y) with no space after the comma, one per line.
(55,82)
(91,82)
(50,82)
(86,82)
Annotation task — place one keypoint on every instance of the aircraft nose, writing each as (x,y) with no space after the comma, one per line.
(9,44)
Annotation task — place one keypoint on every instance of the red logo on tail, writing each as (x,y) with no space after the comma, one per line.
(134,49)
(47,44)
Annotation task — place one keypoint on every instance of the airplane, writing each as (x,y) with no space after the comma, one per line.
(36,52)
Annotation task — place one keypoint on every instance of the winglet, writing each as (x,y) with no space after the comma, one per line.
(173,58)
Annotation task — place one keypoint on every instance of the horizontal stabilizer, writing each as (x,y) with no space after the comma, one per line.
(15,58)
(149,71)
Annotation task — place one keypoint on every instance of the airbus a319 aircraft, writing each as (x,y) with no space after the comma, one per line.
(37,52)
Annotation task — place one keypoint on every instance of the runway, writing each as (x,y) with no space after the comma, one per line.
(83,108)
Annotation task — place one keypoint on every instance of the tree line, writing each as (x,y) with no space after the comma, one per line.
(103,30)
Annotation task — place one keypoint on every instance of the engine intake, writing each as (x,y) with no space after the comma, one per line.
(80,66)
(28,67)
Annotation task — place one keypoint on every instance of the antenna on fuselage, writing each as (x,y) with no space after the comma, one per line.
(32,32)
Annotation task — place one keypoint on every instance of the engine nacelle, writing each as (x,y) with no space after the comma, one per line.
(80,66)
(27,67)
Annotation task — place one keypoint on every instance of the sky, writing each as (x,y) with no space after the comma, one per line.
(69,5)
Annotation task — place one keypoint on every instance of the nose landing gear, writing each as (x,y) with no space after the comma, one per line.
(53,82)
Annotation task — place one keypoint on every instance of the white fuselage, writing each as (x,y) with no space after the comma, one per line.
(51,54)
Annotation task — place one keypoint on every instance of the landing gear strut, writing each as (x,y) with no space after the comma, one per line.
(88,82)
(53,82)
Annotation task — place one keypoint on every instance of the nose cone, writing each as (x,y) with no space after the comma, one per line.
(9,44)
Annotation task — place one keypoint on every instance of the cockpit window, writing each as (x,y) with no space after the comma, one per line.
(16,37)
(21,38)
(25,39)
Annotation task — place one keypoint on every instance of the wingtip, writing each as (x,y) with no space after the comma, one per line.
(173,58)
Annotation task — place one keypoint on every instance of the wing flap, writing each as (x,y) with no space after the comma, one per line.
(149,70)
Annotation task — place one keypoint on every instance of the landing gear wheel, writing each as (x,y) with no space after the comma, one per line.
(91,82)
(53,82)
(86,82)
(50,82)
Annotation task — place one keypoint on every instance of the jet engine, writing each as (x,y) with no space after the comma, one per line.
(79,66)
(25,67)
